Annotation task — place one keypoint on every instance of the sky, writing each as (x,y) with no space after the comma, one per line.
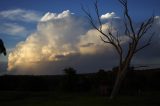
(45,36)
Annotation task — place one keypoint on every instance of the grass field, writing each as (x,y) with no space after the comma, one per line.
(13,98)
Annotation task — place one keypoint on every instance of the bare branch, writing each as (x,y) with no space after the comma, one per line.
(118,43)
(110,38)
(105,40)
(127,32)
(113,38)
(124,2)
(140,29)
(145,26)
(145,45)
(98,15)
(142,47)
(125,5)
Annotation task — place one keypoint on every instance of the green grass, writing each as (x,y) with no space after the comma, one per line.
(8,98)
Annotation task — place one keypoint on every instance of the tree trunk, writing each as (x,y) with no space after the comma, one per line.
(120,77)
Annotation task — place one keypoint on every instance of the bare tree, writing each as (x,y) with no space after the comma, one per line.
(135,37)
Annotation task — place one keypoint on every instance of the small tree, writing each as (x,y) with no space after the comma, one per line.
(135,36)
(70,71)
(70,79)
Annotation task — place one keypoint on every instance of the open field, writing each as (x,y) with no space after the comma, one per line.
(14,98)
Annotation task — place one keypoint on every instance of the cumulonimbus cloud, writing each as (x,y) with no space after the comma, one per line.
(54,37)
(57,36)
(60,36)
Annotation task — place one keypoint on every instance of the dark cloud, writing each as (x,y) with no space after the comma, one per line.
(82,63)
(87,45)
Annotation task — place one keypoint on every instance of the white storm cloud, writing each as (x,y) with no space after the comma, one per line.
(58,36)
(52,16)
(55,38)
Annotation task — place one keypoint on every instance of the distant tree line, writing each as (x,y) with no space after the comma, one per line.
(136,82)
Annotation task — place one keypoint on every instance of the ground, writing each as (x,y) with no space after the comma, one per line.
(14,98)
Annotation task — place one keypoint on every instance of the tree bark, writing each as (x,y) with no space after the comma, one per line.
(121,75)
(119,80)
